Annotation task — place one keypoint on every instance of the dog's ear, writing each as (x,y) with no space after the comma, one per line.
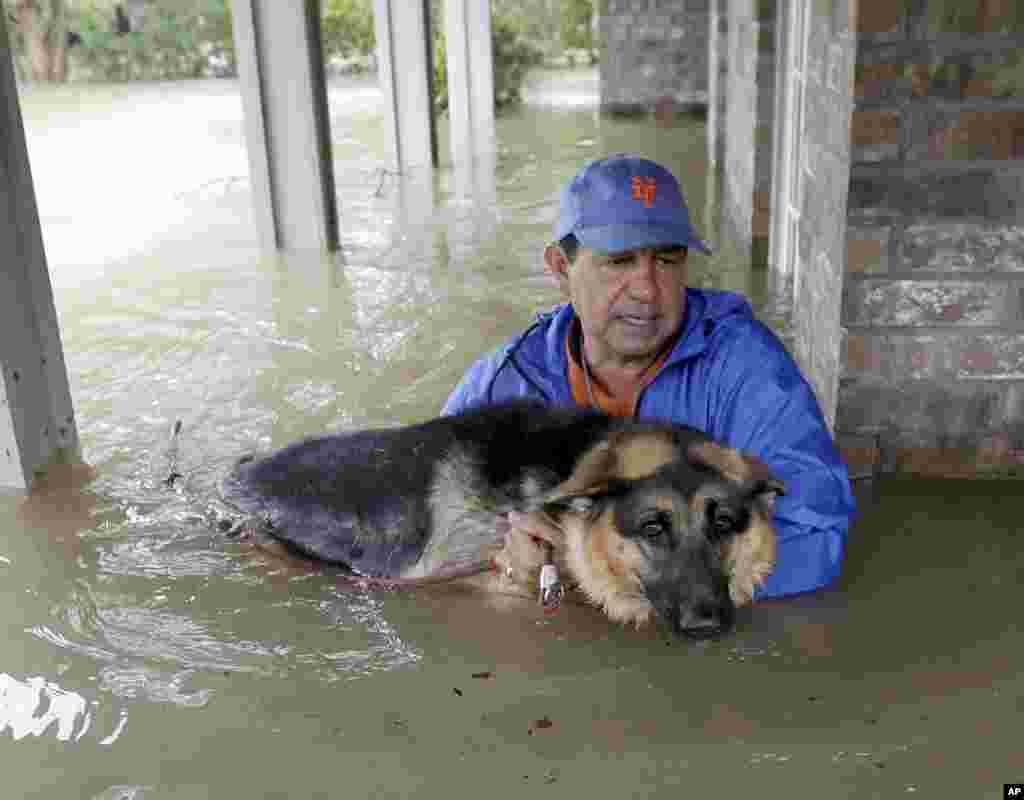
(729,463)
(735,466)
(591,479)
(591,474)
(766,490)
(621,457)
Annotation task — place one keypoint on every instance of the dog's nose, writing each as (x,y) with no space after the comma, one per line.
(703,621)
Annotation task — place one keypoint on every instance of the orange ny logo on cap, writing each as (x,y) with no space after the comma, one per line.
(644,189)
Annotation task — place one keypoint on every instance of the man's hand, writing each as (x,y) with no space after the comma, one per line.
(524,551)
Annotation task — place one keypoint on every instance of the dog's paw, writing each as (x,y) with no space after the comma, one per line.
(520,559)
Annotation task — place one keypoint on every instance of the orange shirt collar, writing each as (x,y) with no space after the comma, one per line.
(624,406)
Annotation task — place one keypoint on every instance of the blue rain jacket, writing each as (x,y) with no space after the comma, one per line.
(728,375)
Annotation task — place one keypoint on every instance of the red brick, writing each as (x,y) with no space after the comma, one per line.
(867,90)
(860,459)
(976,87)
(977,361)
(992,15)
(939,462)
(877,16)
(872,78)
(991,134)
(874,127)
(863,255)
(920,80)
(861,355)
(953,313)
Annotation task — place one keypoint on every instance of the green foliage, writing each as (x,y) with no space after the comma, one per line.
(538,21)
(513,56)
(1008,80)
(192,38)
(178,40)
(551,25)
(575,24)
(347,28)
(956,16)
(439,52)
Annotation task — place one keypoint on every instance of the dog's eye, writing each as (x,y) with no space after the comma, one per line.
(723,526)
(722,521)
(653,528)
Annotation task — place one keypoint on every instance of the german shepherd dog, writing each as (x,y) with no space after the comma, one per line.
(657,520)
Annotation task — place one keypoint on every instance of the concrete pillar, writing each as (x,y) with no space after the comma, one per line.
(470,79)
(281,74)
(415,207)
(475,196)
(403,55)
(37,422)
(787,188)
(812,172)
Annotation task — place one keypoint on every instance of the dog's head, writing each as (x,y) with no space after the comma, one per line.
(685,537)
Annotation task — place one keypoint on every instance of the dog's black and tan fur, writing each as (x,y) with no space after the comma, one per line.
(655,519)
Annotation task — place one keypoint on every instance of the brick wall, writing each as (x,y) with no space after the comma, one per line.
(934,296)
(654,50)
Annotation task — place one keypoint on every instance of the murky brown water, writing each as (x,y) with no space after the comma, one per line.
(146,657)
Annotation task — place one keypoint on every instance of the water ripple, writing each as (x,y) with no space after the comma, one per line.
(154,652)
(154,557)
(146,682)
(123,792)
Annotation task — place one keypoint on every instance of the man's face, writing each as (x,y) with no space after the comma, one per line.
(629,303)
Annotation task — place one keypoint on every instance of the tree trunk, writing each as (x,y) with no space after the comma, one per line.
(44,32)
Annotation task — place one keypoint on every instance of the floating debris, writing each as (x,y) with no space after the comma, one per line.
(540,724)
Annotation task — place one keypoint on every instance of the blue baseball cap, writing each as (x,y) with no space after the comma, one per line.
(625,202)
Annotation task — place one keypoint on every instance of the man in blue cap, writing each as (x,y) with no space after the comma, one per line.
(634,340)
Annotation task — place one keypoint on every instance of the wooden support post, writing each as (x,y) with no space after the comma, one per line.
(37,421)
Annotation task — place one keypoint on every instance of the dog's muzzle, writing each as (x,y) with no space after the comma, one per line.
(695,615)
(704,621)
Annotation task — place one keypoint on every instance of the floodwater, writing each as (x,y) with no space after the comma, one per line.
(145,656)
